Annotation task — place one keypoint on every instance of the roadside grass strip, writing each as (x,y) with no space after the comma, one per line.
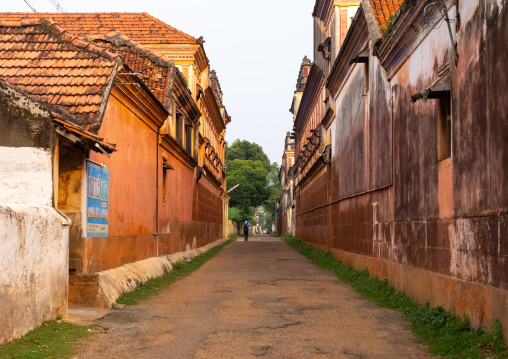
(53,339)
(445,333)
(58,339)
(180,270)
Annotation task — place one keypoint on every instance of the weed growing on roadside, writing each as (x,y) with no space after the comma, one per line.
(234,236)
(180,270)
(51,340)
(446,333)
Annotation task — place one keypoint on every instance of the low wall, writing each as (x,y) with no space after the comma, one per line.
(232,228)
(34,253)
(104,288)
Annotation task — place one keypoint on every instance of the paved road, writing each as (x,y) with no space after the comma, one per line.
(255,299)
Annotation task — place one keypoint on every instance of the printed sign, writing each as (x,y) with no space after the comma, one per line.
(97,200)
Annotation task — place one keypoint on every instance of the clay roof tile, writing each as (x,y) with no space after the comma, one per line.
(139,26)
(383,9)
(56,67)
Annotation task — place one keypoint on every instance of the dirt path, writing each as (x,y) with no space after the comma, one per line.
(255,299)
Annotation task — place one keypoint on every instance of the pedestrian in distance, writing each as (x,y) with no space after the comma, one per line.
(246,227)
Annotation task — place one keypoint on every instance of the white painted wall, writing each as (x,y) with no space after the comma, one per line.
(34,252)
(34,243)
(26,176)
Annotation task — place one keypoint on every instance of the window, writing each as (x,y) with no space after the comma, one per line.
(179,129)
(444,127)
(440,90)
(164,184)
(188,139)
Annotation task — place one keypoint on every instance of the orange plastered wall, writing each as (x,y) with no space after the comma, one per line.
(132,176)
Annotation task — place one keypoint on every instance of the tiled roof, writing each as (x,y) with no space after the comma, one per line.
(142,27)
(383,9)
(86,137)
(56,67)
(156,71)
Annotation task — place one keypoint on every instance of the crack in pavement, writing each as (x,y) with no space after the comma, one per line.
(254,300)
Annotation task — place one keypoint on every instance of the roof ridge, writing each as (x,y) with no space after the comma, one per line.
(63,34)
(142,26)
(75,41)
(21,23)
(119,38)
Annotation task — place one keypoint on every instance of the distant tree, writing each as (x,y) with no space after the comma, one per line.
(245,150)
(234,214)
(274,189)
(252,190)
(250,167)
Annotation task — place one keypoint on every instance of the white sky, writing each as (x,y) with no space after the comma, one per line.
(256,47)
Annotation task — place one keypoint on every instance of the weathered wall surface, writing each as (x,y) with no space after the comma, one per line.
(33,236)
(26,176)
(190,213)
(33,267)
(312,220)
(436,229)
(132,192)
(232,227)
(70,198)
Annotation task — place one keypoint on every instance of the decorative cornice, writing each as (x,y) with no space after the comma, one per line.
(217,183)
(314,84)
(172,146)
(355,41)
(184,98)
(201,59)
(327,119)
(322,9)
(213,110)
(312,171)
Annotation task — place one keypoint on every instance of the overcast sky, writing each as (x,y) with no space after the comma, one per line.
(256,47)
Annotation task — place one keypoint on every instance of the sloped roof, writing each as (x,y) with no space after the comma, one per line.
(56,67)
(140,26)
(155,70)
(383,9)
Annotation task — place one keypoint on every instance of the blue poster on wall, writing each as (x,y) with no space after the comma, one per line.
(97,200)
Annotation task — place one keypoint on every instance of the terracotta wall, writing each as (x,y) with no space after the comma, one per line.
(283,223)
(131,192)
(389,204)
(190,212)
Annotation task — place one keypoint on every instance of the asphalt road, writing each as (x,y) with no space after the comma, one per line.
(255,299)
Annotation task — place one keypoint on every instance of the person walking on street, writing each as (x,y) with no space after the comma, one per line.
(246,227)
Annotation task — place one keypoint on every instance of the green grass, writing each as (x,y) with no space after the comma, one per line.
(180,270)
(53,339)
(445,333)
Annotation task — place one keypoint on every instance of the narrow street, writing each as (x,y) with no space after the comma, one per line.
(259,298)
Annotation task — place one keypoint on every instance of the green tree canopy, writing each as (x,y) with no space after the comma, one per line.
(252,179)
(245,150)
(249,166)
(274,193)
